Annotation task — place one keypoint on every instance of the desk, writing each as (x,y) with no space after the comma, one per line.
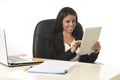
(84,71)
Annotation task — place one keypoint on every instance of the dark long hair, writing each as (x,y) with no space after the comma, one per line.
(58,26)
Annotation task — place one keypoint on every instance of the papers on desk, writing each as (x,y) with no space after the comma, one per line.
(53,67)
(117,77)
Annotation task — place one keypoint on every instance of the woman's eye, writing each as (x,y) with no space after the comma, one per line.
(67,21)
(70,21)
(73,20)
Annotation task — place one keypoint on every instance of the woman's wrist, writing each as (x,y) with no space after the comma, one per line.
(72,51)
(96,51)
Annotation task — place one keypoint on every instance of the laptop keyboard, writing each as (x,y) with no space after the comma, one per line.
(15,58)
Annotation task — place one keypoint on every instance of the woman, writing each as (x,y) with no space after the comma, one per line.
(64,41)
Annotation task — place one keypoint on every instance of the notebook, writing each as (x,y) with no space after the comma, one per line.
(14,60)
(117,77)
(90,37)
(54,67)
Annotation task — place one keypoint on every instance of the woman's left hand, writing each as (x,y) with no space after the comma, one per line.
(96,47)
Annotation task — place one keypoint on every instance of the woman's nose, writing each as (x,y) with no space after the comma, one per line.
(71,24)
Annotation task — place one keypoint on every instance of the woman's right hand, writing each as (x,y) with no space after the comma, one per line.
(75,45)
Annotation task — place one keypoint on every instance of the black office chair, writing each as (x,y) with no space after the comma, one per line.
(43,28)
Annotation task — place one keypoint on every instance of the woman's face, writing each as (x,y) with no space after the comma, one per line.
(69,23)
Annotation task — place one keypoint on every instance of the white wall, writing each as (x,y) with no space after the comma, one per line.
(19,18)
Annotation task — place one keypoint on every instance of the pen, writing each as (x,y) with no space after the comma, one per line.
(26,69)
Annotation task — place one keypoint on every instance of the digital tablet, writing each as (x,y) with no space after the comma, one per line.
(90,37)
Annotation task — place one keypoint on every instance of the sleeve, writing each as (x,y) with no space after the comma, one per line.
(66,55)
(89,58)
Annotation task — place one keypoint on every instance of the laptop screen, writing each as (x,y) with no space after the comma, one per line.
(3,49)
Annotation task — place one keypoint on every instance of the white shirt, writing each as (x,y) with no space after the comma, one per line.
(67,47)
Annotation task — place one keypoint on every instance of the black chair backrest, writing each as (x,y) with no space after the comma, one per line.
(43,28)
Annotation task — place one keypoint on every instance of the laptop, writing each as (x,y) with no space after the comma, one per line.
(14,60)
(90,37)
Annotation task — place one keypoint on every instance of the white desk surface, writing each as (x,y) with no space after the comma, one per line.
(84,71)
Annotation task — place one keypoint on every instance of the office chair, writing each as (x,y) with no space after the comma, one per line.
(43,28)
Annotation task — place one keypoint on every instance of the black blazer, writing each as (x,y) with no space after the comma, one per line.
(55,50)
